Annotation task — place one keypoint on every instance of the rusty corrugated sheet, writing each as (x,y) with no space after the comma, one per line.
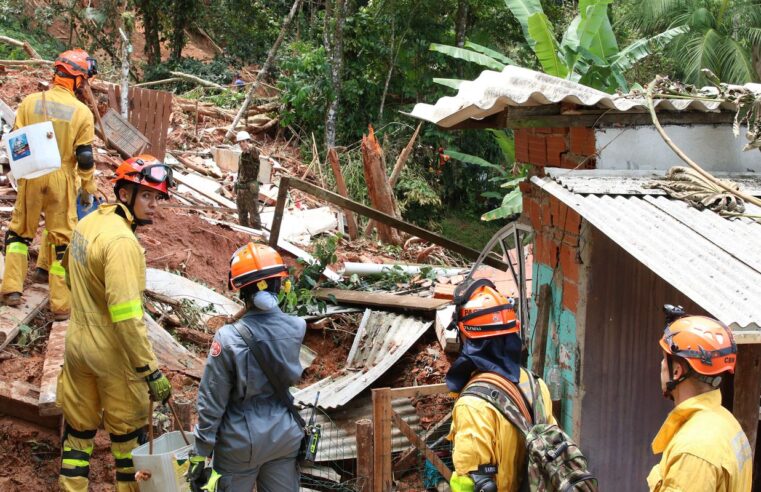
(492,92)
(381,340)
(714,261)
(339,428)
(622,407)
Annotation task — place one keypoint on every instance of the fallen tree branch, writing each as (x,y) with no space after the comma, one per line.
(11,63)
(158,82)
(198,80)
(680,153)
(22,44)
(265,68)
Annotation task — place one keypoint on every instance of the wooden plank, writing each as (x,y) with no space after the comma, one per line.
(419,443)
(52,368)
(407,460)
(419,391)
(365,454)
(448,339)
(443,291)
(20,399)
(335,164)
(170,353)
(166,115)
(539,345)
(113,97)
(7,114)
(382,447)
(289,182)
(35,297)
(382,300)
(211,196)
(747,390)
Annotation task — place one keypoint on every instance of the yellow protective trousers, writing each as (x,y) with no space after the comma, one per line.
(53,194)
(43,258)
(96,382)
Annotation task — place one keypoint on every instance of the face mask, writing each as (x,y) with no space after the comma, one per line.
(265,301)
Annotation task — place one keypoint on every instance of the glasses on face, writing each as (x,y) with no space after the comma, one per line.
(92,67)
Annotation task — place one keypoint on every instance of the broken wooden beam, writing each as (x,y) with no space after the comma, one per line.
(12,317)
(182,179)
(21,400)
(381,195)
(287,183)
(382,300)
(170,353)
(335,165)
(448,339)
(52,368)
(419,443)
(194,336)
(541,329)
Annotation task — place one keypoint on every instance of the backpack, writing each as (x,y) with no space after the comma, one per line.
(554,463)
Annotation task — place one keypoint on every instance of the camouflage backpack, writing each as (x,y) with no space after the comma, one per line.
(554,462)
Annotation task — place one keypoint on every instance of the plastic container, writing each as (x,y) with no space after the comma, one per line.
(33,151)
(168,464)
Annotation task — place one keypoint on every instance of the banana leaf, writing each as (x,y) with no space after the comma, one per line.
(453,83)
(489,52)
(512,204)
(468,55)
(546,46)
(475,160)
(522,10)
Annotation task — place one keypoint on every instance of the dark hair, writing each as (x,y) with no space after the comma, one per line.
(248,292)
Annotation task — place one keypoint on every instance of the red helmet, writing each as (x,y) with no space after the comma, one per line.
(705,343)
(253,263)
(146,171)
(482,312)
(76,63)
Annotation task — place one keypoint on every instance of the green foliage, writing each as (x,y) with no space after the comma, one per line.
(469,56)
(216,70)
(28,337)
(719,35)
(15,25)
(246,28)
(300,300)
(304,85)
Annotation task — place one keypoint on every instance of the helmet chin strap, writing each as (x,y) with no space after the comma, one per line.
(131,207)
(671,384)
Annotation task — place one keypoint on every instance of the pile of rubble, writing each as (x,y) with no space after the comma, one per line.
(384,324)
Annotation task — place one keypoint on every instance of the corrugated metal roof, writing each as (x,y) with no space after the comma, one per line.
(339,428)
(714,261)
(492,92)
(381,340)
(602,182)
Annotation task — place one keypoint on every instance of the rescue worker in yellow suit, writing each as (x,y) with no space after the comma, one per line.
(53,194)
(489,452)
(702,446)
(108,359)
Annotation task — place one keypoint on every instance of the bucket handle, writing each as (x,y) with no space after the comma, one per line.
(45,107)
(150,425)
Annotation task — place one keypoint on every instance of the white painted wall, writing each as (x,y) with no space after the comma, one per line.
(714,147)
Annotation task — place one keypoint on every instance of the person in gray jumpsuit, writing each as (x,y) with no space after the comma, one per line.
(253,438)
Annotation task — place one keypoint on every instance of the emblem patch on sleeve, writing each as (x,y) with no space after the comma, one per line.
(216,349)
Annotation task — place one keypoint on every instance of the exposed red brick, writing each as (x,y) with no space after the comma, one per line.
(553,247)
(545,213)
(582,140)
(526,188)
(542,130)
(572,221)
(537,150)
(521,145)
(531,208)
(555,211)
(568,264)
(574,161)
(560,131)
(556,146)
(570,295)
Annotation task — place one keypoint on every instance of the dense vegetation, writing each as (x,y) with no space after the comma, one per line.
(371,61)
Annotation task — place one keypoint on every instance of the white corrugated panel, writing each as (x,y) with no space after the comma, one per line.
(381,340)
(492,92)
(714,261)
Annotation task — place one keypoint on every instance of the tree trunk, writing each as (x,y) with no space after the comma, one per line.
(462,22)
(151,26)
(336,56)
(381,195)
(756,54)
(265,68)
(126,50)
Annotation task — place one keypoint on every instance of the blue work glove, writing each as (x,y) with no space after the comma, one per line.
(86,203)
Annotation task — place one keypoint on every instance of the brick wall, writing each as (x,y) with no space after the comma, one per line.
(568,148)
(556,244)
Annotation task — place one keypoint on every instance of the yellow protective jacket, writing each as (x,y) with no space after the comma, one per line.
(72,122)
(704,449)
(106,272)
(482,435)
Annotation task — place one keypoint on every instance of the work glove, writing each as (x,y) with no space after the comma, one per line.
(211,485)
(159,386)
(85,198)
(197,472)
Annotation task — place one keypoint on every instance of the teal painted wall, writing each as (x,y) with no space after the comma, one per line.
(562,344)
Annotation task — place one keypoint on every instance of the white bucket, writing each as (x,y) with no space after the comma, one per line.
(167,465)
(33,150)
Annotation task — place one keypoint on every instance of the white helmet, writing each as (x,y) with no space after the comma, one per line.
(242,135)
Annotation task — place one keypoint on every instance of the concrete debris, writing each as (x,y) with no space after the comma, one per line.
(12,318)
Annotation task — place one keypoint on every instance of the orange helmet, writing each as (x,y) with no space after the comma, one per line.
(147,171)
(482,312)
(76,63)
(253,263)
(705,343)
